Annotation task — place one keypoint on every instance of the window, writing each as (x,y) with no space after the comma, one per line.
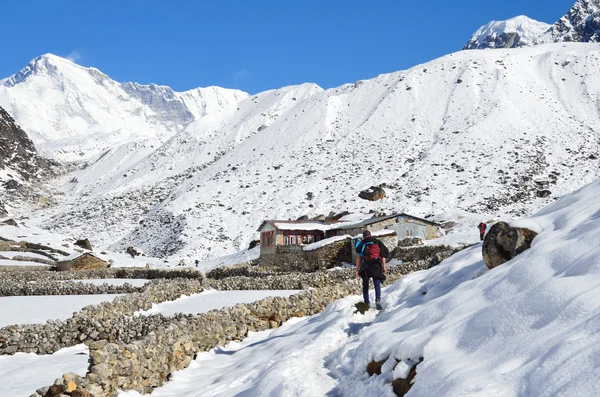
(287,240)
(311,239)
(267,239)
(293,240)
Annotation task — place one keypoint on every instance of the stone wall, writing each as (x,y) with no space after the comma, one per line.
(103,321)
(149,348)
(389,240)
(111,321)
(432,232)
(146,364)
(294,258)
(432,254)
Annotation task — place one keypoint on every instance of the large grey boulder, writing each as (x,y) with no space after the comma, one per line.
(502,243)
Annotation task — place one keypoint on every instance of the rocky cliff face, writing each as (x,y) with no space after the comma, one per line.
(19,160)
(581,23)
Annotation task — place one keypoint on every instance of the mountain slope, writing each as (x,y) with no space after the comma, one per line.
(481,131)
(520,31)
(74,113)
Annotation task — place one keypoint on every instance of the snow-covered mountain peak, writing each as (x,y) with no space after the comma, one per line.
(520,31)
(73,112)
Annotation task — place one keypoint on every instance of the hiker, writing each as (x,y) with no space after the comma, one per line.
(482,226)
(131,251)
(370,263)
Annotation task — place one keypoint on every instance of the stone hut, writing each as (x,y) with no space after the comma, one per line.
(86,261)
(411,226)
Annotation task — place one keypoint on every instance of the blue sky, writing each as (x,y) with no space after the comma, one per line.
(252,45)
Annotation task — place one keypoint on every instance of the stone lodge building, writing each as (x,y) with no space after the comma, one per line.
(313,245)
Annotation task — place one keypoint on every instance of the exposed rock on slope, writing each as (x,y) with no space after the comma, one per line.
(19,161)
(581,23)
(502,243)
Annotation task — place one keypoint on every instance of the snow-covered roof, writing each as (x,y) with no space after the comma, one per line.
(324,242)
(303,225)
(334,225)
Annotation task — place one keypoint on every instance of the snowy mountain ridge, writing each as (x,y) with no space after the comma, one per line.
(74,113)
(580,24)
(489,132)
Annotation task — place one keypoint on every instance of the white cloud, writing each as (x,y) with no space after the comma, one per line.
(74,56)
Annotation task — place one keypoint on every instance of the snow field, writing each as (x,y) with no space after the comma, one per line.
(23,373)
(211,300)
(38,309)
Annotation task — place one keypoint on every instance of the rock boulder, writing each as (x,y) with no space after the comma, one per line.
(85,244)
(502,243)
(373,193)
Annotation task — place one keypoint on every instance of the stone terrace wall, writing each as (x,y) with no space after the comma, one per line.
(146,364)
(293,258)
(103,321)
(36,274)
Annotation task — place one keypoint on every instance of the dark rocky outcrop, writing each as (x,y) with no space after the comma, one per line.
(580,24)
(17,153)
(502,243)
(253,244)
(334,217)
(373,193)
(402,386)
(9,222)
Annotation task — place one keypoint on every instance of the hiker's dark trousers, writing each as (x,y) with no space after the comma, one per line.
(377,284)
